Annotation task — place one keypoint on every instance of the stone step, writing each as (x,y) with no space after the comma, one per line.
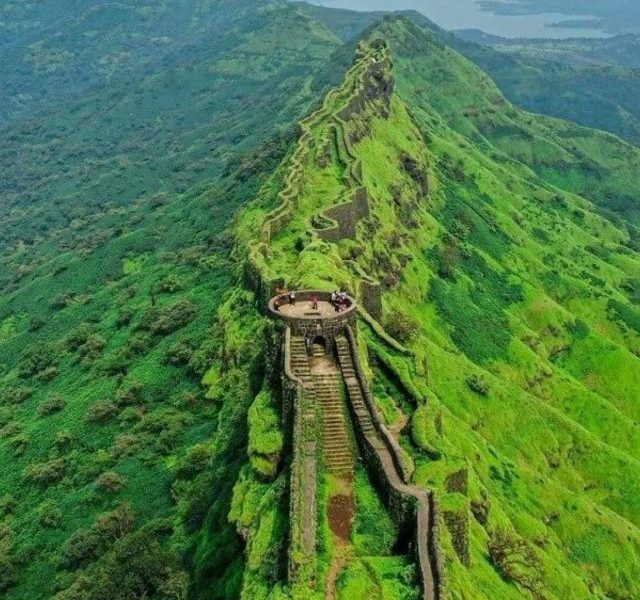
(346,461)
(333,431)
(338,453)
(335,438)
(344,455)
(333,422)
(343,467)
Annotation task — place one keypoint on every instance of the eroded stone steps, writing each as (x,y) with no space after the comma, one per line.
(338,452)
(353,388)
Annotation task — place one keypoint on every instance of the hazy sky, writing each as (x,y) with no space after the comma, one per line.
(464,14)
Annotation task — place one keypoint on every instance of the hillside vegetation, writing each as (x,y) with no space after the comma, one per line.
(595,83)
(141,439)
(517,301)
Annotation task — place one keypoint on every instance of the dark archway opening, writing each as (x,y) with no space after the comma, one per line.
(318,346)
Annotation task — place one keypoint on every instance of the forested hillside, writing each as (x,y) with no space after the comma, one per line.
(592,82)
(115,256)
(142,442)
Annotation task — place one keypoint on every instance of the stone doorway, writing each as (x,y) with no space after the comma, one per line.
(318,347)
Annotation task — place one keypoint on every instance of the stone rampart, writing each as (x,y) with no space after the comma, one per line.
(302,534)
(413,509)
(346,217)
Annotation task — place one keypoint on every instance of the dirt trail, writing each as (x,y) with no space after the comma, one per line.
(342,512)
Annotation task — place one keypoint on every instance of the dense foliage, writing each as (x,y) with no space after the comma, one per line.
(140,439)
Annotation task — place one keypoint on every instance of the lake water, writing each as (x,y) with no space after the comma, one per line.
(465,14)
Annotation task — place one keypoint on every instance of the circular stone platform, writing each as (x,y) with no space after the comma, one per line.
(317,326)
(303,308)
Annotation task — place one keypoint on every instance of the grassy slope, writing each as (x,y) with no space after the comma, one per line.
(111,282)
(588,84)
(516,298)
(529,259)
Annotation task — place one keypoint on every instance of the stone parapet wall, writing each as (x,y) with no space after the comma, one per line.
(413,509)
(345,217)
(370,296)
(458,482)
(302,556)
(457,521)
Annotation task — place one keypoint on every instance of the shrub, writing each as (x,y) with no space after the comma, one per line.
(20,443)
(85,545)
(81,548)
(179,353)
(46,473)
(515,560)
(8,573)
(49,515)
(138,345)
(129,394)
(130,415)
(265,436)
(126,445)
(138,566)
(124,318)
(401,326)
(5,415)
(196,460)
(15,395)
(170,285)
(48,374)
(37,322)
(110,482)
(7,504)
(78,337)
(36,359)
(116,523)
(11,428)
(64,438)
(170,318)
(478,385)
(102,412)
(55,403)
(92,348)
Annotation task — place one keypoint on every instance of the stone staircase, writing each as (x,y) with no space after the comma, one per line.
(300,360)
(429,560)
(338,448)
(353,388)
(309,439)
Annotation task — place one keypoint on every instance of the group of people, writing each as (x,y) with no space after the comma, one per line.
(285,297)
(340,300)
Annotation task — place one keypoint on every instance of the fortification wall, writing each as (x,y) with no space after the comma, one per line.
(371,298)
(413,509)
(367,85)
(345,217)
(302,518)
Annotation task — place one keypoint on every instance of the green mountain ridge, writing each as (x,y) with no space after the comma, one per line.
(503,318)
(141,433)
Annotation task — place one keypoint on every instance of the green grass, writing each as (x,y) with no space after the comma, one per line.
(509,278)
(133,361)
